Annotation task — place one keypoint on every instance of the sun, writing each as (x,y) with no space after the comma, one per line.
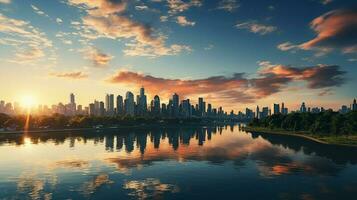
(28,101)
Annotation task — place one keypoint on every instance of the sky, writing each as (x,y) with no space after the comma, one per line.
(234,53)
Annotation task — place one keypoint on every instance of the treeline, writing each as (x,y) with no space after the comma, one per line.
(327,122)
(58,121)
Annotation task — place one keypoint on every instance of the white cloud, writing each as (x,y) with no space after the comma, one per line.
(255,27)
(286,46)
(5,1)
(59,20)
(228,5)
(38,11)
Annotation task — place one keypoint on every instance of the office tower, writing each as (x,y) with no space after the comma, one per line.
(142,102)
(120,105)
(186,108)
(96,107)
(201,107)
(79,109)
(303,107)
(175,105)
(129,104)
(249,113)
(257,113)
(265,112)
(276,109)
(101,108)
(209,109)
(92,110)
(109,104)
(354,105)
(163,109)
(344,109)
(156,105)
(72,105)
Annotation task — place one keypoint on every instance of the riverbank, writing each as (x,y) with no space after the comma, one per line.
(341,140)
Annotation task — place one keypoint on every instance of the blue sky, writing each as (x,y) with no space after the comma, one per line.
(87,46)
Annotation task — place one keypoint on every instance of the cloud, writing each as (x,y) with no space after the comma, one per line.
(228,5)
(178,6)
(5,1)
(70,75)
(98,58)
(184,22)
(270,80)
(100,7)
(335,30)
(287,46)
(325,2)
(38,11)
(106,20)
(255,27)
(30,44)
(209,47)
(59,20)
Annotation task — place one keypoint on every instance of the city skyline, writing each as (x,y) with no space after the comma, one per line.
(236,54)
(176,107)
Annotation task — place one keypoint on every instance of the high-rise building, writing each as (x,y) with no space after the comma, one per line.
(101,108)
(354,105)
(72,105)
(186,108)
(257,113)
(209,109)
(276,108)
(141,102)
(201,106)
(156,105)
(303,107)
(129,104)
(175,105)
(92,110)
(109,104)
(265,112)
(120,105)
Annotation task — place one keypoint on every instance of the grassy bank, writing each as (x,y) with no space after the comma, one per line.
(346,140)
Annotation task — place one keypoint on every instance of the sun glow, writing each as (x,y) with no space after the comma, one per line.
(28,101)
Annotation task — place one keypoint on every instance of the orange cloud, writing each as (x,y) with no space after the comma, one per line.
(335,30)
(70,75)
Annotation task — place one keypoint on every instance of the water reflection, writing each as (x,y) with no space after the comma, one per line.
(152,163)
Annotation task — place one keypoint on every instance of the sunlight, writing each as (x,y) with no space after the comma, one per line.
(28,101)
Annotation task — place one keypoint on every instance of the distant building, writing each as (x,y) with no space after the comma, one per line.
(129,104)
(156,105)
(276,108)
(120,105)
(109,104)
(303,107)
(175,105)
(141,102)
(354,105)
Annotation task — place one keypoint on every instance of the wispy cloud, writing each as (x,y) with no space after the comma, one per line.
(38,11)
(31,45)
(256,27)
(178,6)
(182,21)
(5,1)
(228,5)
(69,75)
(98,58)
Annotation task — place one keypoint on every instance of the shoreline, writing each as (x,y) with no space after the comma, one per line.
(305,136)
(99,129)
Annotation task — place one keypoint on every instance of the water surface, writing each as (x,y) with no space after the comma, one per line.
(173,163)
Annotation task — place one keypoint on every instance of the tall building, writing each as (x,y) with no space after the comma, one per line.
(186,108)
(142,102)
(92,111)
(156,105)
(129,104)
(276,108)
(265,112)
(109,104)
(101,108)
(120,105)
(257,113)
(209,109)
(303,107)
(175,105)
(354,105)
(72,104)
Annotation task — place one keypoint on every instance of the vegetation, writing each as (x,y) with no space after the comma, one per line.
(327,126)
(58,121)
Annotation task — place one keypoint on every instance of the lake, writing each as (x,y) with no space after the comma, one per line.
(174,163)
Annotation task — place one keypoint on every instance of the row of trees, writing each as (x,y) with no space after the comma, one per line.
(58,121)
(327,122)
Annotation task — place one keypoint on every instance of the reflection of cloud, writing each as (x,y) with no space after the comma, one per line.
(72,164)
(91,186)
(30,184)
(149,188)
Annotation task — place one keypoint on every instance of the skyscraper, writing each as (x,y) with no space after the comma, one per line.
(276,108)
(72,104)
(120,105)
(109,104)
(156,105)
(201,106)
(175,105)
(129,104)
(303,107)
(257,113)
(142,102)
(354,105)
